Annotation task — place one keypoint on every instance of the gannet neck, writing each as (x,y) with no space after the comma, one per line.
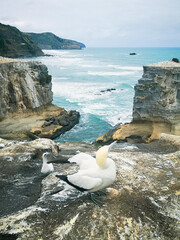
(101,156)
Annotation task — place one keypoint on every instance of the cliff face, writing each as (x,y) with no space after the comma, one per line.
(157,94)
(24,86)
(26,102)
(49,40)
(156,107)
(14,43)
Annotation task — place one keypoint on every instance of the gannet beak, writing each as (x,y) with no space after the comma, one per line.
(43,156)
(111,145)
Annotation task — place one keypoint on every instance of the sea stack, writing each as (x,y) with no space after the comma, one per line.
(156,106)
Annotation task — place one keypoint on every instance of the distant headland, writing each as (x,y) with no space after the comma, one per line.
(16,44)
(48,40)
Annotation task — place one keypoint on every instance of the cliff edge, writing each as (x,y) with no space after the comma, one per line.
(156,106)
(26,102)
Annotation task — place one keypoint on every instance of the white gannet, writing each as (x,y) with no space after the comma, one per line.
(94,173)
(46,167)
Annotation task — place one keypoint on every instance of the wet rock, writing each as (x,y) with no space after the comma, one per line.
(175,60)
(108,90)
(143,202)
(132,53)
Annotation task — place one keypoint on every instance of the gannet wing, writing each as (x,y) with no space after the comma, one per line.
(83,160)
(84,182)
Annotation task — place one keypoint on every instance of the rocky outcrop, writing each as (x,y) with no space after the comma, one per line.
(156,105)
(14,43)
(24,86)
(141,204)
(157,94)
(49,40)
(26,102)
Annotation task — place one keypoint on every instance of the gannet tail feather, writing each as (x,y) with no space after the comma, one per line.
(65,179)
(60,161)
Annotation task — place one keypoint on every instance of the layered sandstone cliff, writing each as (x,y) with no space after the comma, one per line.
(156,105)
(157,94)
(26,101)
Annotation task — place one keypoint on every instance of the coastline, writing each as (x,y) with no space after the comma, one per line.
(143,201)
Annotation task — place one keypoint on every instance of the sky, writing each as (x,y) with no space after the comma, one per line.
(99,23)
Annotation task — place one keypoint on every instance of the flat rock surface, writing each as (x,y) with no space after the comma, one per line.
(143,202)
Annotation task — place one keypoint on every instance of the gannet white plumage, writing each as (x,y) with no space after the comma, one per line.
(46,167)
(94,173)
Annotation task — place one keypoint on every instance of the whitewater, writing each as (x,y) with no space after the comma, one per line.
(99,83)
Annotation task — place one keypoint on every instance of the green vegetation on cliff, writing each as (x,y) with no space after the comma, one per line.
(49,40)
(14,43)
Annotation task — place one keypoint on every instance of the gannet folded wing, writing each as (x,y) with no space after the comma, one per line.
(85,182)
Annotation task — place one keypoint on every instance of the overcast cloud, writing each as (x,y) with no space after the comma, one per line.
(99,23)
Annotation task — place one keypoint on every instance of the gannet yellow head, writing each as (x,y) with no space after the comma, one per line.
(44,156)
(101,155)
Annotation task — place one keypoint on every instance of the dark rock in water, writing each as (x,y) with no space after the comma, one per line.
(175,60)
(57,125)
(132,53)
(49,40)
(142,203)
(14,43)
(108,90)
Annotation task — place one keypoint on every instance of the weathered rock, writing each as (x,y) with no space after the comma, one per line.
(14,43)
(157,94)
(26,102)
(24,86)
(143,204)
(20,178)
(156,107)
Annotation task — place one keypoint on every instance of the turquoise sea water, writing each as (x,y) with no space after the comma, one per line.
(81,79)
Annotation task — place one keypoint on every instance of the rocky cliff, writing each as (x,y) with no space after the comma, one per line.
(157,94)
(49,40)
(156,105)
(142,203)
(26,101)
(14,43)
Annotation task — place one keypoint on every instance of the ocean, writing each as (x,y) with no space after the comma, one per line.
(99,83)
